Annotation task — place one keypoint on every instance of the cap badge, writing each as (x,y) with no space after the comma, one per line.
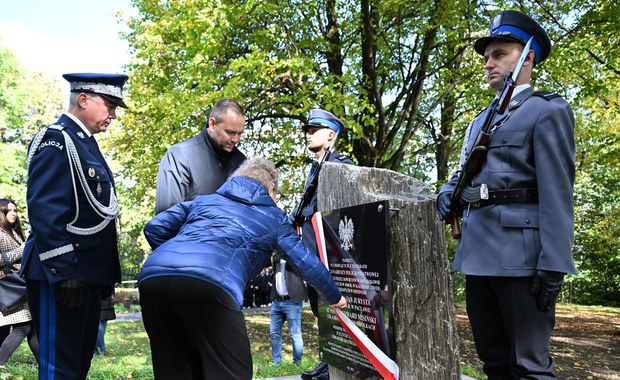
(91,172)
(496,22)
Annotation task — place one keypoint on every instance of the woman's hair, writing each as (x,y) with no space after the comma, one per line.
(4,222)
(260,169)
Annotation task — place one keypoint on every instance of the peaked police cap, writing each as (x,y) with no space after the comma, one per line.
(109,86)
(323,119)
(518,27)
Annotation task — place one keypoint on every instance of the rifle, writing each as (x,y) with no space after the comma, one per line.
(310,190)
(478,153)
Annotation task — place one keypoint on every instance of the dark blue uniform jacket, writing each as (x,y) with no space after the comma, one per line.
(56,198)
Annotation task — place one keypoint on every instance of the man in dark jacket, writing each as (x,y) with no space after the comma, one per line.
(517,230)
(201,164)
(322,129)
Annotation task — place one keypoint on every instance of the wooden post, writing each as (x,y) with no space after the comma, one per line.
(425,334)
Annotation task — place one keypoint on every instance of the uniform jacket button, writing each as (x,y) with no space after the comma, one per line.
(53,271)
(527,221)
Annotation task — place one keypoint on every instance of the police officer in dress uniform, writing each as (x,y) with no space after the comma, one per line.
(71,257)
(321,130)
(517,231)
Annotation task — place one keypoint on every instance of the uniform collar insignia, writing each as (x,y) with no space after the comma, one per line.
(81,134)
(514,103)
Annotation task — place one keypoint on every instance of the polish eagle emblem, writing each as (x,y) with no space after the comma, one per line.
(345,231)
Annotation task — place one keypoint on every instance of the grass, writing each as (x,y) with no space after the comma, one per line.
(129,351)
(129,356)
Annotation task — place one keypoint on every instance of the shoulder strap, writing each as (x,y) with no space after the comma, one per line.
(546,95)
(59,127)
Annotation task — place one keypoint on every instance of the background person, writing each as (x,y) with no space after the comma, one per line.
(201,164)
(71,257)
(107,314)
(16,321)
(205,253)
(516,245)
(287,294)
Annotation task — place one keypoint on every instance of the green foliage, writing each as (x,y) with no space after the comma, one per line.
(371,66)
(13,174)
(132,245)
(597,206)
(28,101)
(402,75)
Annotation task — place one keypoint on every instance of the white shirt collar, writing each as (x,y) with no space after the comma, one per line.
(520,88)
(79,123)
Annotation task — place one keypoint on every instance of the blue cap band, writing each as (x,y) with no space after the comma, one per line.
(324,123)
(520,34)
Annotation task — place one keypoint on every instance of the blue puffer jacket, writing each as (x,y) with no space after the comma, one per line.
(226,239)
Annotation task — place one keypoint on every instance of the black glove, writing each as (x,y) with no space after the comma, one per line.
(70,293)
(106,291)
(443,205)
(546,287)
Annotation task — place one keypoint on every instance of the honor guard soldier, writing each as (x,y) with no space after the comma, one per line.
(322,130)
(517,233)
(71,257)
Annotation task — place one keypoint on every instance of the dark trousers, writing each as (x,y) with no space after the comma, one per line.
(196,330)
(511,335)
(309,238)
(66,336)
(13,340)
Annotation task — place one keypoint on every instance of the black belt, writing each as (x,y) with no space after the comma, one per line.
(282,298)
(507,196)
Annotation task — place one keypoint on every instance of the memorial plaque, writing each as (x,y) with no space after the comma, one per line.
(356,241)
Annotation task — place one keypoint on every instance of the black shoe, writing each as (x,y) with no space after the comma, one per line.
(319,369)
(322,376)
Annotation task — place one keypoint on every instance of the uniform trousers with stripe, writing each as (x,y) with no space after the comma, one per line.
(196,330)
(67,337)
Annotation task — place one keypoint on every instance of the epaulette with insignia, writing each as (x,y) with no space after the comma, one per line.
(546,95)
(58,127)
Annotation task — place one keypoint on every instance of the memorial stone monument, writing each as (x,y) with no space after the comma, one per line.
(425,336)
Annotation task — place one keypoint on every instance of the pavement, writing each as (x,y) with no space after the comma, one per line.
(138,316)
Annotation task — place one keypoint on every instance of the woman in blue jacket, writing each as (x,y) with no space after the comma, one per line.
(205,252)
